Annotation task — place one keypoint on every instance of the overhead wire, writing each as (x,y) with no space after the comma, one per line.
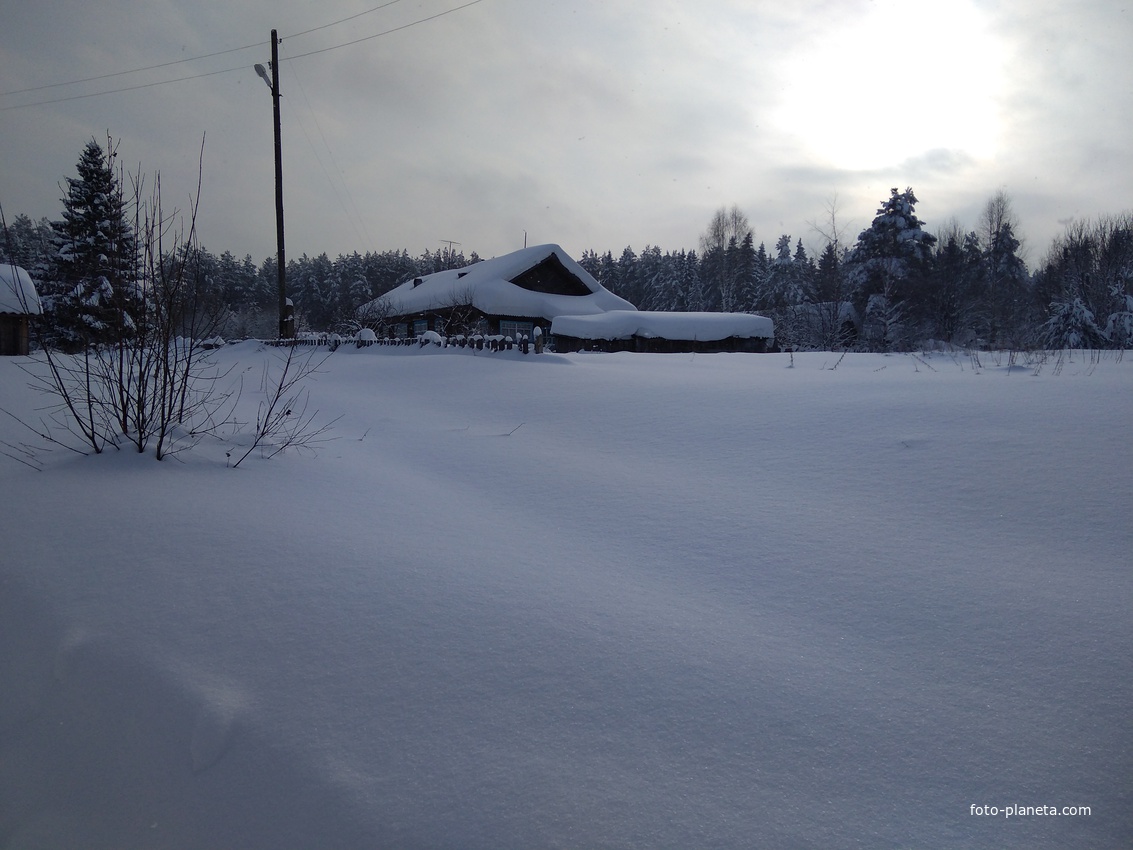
(342,20)
(135,70)
(384,32)
(214,54)
(356,219)
(124,89)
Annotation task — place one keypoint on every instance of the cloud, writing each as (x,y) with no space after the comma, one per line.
(594,124)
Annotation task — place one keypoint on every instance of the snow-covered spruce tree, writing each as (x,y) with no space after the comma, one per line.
(648,272)
(1006,280)
(1119,325)
(630,285)
(785,286)
(351,291)
(788,279)
(1071,325)
(1086,285)
(148,385)
(92,296)
(664,292)
(313,288)
(888,270)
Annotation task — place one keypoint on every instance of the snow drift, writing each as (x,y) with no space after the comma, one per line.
(585,601)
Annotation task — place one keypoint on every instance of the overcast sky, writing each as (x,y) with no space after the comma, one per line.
(593,124)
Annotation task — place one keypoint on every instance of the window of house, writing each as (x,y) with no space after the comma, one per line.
(512,328)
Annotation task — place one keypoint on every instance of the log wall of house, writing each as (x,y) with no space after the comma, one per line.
(13,335)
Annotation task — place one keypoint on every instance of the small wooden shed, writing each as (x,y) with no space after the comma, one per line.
(663,332)
(18,303)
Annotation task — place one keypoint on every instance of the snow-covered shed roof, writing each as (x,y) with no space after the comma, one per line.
(17,291)
(701,327)
(539,281)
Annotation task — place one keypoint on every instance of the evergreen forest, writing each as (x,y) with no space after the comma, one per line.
(896,285)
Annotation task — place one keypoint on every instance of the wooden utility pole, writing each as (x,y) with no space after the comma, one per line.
(286,313)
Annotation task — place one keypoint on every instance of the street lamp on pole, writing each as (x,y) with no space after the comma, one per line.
(286,311)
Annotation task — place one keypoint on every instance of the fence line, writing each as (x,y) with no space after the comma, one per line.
(479,342)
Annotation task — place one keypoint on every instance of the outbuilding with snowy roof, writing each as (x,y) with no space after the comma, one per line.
(656,331)
(509,295)
(18,303)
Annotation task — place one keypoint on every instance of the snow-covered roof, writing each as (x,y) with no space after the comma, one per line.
(17,291)
(519,284)
(703,327)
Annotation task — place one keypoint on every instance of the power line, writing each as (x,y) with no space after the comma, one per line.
(134,71)
(357,223)
(192,58)
(342,21)
(385,32)
(127,88)
(228,70)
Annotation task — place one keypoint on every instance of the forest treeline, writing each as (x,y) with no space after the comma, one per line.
(895,286)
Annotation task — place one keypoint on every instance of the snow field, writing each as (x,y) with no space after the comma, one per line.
(588,600)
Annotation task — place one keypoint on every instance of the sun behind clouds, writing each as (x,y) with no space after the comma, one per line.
(906,79)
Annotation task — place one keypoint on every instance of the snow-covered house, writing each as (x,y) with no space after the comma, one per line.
(509,295)
(642,330)
(542,287)
(18,302)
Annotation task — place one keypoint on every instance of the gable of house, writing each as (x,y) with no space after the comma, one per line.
(552,277)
